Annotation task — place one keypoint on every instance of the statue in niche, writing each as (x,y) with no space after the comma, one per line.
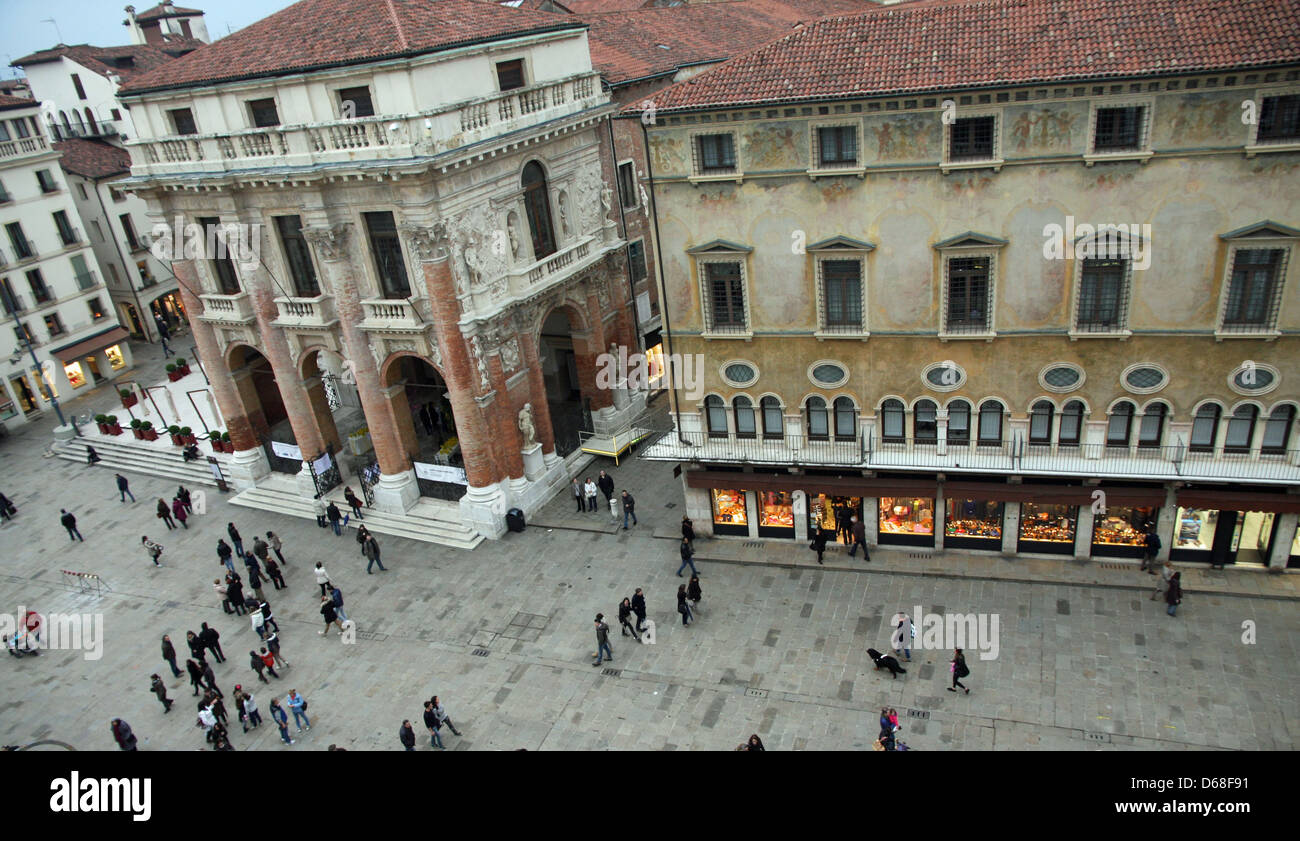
(512,231)
(473,264)
(527,427)
(564,214)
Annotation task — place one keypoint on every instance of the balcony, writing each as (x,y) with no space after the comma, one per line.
(227,309)
(70,237)
(23,146)
(23,250)
(423,134)
(790,450)
(393,315)
(315,313)
(87,281)
(102,128)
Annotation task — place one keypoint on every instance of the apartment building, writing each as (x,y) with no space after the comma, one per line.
(1037,305)
(54,301)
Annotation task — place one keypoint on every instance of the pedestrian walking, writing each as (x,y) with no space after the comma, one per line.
(198,650)
(688,555)
(157,687)
(577,494)
(183,494)
(153,550)
(1152,542)
(208,721)
(212,641)
(625,619)
(238,698)
(322,578)
(903,636)
(629,509)
(688,530)
(273,645)
(255,581)
(213,700)
(92,458)
(268,660)
(406,735)
(321,511)
(859,532)
(959,670)
(169,654)
(252,564)
(336,595)
(441,711)
(638,607)
(755,743)
(362,534)
(235,592)
(602,641)
(70,523)
(271,624)
(167,350)
(371,550)
(277,577)
(1174,593)
(225,554)
(281,719)
(330,613)
(589,493)
(260,549)
(123,488)
(818,544)
(223,592)
(196,675)
(235,539)
(276,545)
(353,502)
(1162,585)
(335,516)
(179,513)
(606,484)
(165,514)
(682,607)
(432,724)
(257,664)
(210,677)
(122,734)
(694,593)
(7,509)
(259,624)
(298,706)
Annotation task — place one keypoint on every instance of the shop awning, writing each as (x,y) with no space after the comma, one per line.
(1226,500)
(85,347)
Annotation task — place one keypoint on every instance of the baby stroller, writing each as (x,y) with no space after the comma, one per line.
(20,645)
(884,661)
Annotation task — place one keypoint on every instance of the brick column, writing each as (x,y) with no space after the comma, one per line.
(249,461)
(396,491)
(537,390)
(314,388)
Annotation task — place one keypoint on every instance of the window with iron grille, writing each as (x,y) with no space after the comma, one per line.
(841,295)
(725,297)
(627,191)
(715,154)
(837,146)
(298,256)
(1254,289)
(222,267)
(1118,129)
(971,139)
(1103,296)
(1279,119)
(387,248)
(263,113)
(969,295)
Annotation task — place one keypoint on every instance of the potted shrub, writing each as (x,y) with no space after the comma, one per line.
(113,427)
(182,366)
(128,398)
(102,422)
(187,436)
(226,442)
(137,429)
(214,438)
(172,373)
(149,433)
(175,432)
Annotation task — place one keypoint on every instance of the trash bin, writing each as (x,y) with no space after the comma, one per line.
(515,519)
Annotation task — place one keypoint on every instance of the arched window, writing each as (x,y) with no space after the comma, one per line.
(744,409)
(959,422)
(818,426)
(716,411)
(1040,422)
(1152,427)
(537,205)
(892,421)
(990,431)
(1277,429)
(1120,426)
(1205,428)
(925,423)
(846,419)
(1071,424)
(773,423)
(1241,429)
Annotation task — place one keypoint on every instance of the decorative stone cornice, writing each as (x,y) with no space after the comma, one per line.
(330,243)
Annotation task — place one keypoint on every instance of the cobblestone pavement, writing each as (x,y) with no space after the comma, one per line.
(1086,660)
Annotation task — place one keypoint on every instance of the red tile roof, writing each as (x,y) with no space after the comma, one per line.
(105,60)
(315,34)
(7,102)
(160,11)
(948,44)
(625,45)
(93,158)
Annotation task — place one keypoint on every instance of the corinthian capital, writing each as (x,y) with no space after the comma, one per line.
(330,243)
(428,243)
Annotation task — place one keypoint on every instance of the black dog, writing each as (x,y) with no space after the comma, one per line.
(886,662)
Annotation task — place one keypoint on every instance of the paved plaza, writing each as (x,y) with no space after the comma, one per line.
(504,635)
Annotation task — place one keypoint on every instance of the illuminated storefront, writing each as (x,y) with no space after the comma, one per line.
(828,513)
(775,514)
(907,520)
(115,358)
(1224,536)
(729,512)
(1047,528)
(1122,531)
(973,524)
(74,374)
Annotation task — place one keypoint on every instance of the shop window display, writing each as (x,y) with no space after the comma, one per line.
(1122,528)
(75,375)
(829,513)
(115,358)
(729,507)
(1253,538)
(776,510)
(906,516)
(1048,523)
(973,518)
(1195,528)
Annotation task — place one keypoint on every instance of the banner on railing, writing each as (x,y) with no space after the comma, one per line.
(286,450)
(440,473)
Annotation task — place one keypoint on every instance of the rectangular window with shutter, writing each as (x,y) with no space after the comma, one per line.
(715,154)
(837,146)
(1254,289)
(725,289)
(968,295)
(842,295)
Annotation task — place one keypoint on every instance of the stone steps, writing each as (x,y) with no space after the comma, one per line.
(138,459)
(423,524)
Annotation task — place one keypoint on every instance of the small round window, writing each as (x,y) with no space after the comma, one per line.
(944,376)
(739,374)
(828,374)
(1143,379)
(1254,378)
(1061,377)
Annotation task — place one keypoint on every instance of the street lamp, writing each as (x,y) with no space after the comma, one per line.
(12,306)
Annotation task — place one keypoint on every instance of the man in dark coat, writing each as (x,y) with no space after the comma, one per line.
(335,516)
(235,592)
(406,735)
(606,485)
(169,654)
(70,523)
(122,734)
(157,687)
(197,649)
(859,539)
(638,607)
(212,641)
(629,509)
